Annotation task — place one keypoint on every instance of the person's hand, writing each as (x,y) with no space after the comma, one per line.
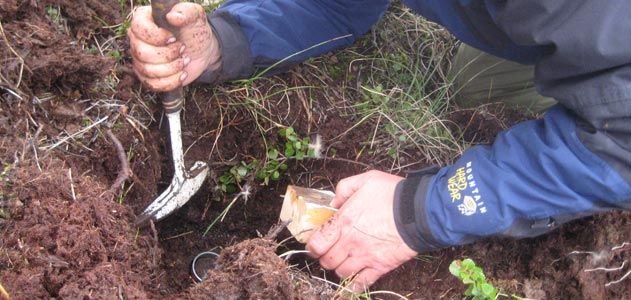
(164,62)
(361,241)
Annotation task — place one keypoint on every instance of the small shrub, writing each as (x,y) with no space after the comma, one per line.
(473,276)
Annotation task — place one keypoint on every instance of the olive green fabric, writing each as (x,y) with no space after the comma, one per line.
(481,78)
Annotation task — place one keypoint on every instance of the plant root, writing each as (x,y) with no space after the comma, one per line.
(124,171)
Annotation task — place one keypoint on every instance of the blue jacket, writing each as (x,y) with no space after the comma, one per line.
(574,162)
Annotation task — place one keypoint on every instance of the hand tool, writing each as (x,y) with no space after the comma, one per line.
(185,183)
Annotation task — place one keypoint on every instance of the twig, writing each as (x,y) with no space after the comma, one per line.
(179,235)
(82,131)
(156,242)
(4,36)
(74,195)
(124,171)
(34,142)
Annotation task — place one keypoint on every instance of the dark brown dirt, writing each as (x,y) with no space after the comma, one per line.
(69,239)
(62,235)
(37,53)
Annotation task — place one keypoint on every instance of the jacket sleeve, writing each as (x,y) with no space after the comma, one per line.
(574,162)
(256,34)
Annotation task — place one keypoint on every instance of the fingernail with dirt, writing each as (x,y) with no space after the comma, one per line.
(187,60)
(182,49)
(171,40)
(183,76)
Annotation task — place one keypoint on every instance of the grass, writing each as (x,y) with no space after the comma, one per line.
(391,83)
(381,82)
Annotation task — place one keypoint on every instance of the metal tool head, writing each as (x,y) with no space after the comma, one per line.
(181,189)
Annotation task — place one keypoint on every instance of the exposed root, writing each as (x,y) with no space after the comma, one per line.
(124,171)
(608,284)
(276,229)
(598,256)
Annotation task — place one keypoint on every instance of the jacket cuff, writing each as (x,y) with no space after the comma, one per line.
(236,62)
(409,211)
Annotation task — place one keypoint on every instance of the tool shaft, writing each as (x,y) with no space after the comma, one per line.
(172,100)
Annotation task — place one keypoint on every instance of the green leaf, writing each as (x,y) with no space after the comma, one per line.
(468,264)
(282,132)
(226,178)
(290,131)
(476,291)
(289,150)
(488,290)
(242,171)
(454,268)
(300,155)
(230,188)
(298,145)
(283,167)
(292,137)
(469,291)
(275,175)
(272,153)
(272,165)
(467,280)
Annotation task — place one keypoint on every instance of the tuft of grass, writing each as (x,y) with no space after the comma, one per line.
(404,92)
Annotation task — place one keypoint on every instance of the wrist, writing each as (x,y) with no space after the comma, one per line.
(410,213)
(233,59)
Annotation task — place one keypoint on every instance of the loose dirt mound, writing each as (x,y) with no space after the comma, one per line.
(252,270)
(69,239)
(37,54)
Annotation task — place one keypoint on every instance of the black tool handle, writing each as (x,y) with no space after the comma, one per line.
(172,100)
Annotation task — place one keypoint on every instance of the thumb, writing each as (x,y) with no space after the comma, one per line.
(347,187)
(324,238)
(184,13)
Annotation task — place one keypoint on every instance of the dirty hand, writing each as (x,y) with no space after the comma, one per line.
(361,241)
(164,62)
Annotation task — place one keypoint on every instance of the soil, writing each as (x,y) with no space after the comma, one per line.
(65,232)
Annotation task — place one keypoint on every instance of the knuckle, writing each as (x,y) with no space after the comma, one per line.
(144,69)
(152,84)
(342,183)
(340,273)
(178,64)
(325,263)
(172,52)
(315,249)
